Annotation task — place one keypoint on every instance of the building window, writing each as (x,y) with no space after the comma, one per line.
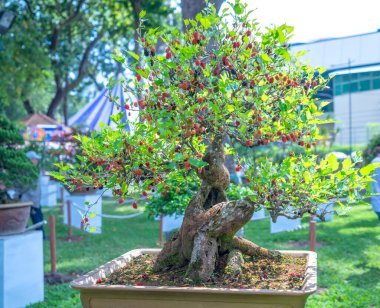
(356,82)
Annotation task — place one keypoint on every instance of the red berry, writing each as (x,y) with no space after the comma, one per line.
(134,205)
(126,106)
(144,193)
(99,280)
(283,138)
(301,143)
(216,72)
(237,123)
(163,193)
(238,168)
(121,200)
(86,219)
(249,143)
(138,77)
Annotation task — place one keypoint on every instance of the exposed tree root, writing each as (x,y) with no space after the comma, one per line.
(251,249)
(234,262)
(209,225)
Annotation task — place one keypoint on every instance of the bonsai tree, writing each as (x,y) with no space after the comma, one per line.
(223,78)
(16,169)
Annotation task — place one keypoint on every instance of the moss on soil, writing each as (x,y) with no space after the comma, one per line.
(282,273)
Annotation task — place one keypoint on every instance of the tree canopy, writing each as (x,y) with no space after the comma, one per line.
(221,78)
(57,47)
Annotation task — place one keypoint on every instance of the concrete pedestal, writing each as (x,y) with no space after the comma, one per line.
(21,269)
(78,207)
(48,192)
(284,224)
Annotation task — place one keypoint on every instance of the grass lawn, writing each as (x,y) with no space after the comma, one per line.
(348,253)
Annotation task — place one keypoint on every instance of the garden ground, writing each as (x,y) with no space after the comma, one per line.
(348,253)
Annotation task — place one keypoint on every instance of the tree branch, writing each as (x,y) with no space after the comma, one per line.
(83,63)
(57,29)
(29,7)
(28,106)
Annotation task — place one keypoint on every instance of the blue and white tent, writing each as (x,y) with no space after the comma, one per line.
(100,110)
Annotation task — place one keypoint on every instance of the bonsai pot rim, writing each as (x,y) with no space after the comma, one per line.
(15,204)
(87,282)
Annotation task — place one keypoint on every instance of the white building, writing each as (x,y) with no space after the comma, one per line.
(355,60)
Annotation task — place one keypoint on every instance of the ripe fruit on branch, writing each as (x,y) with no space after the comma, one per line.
(238,168)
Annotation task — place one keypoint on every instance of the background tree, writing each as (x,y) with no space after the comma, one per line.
(220,79)
(56,49)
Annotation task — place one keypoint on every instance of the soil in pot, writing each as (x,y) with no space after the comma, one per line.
(280,273)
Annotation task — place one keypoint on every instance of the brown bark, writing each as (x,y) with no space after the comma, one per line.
(28,106)
(210,223)
(61,90)
(190,8)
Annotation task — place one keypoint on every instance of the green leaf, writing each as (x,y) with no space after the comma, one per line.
(197,163)
(134,55)
(281,36)
(142,73)
(301,53)
(265,57)
(92,229)
(238,8)
(346,164)
(284,53)
(93,214)
(367,169)
(118,58)
(264,98)
(323,104)
(142,14)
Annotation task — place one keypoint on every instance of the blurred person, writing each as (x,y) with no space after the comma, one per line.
(34,195)
(375,200)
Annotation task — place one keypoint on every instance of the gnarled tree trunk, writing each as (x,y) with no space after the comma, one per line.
(210,223)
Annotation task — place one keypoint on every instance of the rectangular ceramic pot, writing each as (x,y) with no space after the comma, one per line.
(115,296)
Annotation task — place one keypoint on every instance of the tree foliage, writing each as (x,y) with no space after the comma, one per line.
(223,77)
(58,48)
(16,169)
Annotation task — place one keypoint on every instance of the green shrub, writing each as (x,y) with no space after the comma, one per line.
(16,169)
(372,149)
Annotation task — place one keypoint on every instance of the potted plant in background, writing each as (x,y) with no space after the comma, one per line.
(222,79)
(18,173)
